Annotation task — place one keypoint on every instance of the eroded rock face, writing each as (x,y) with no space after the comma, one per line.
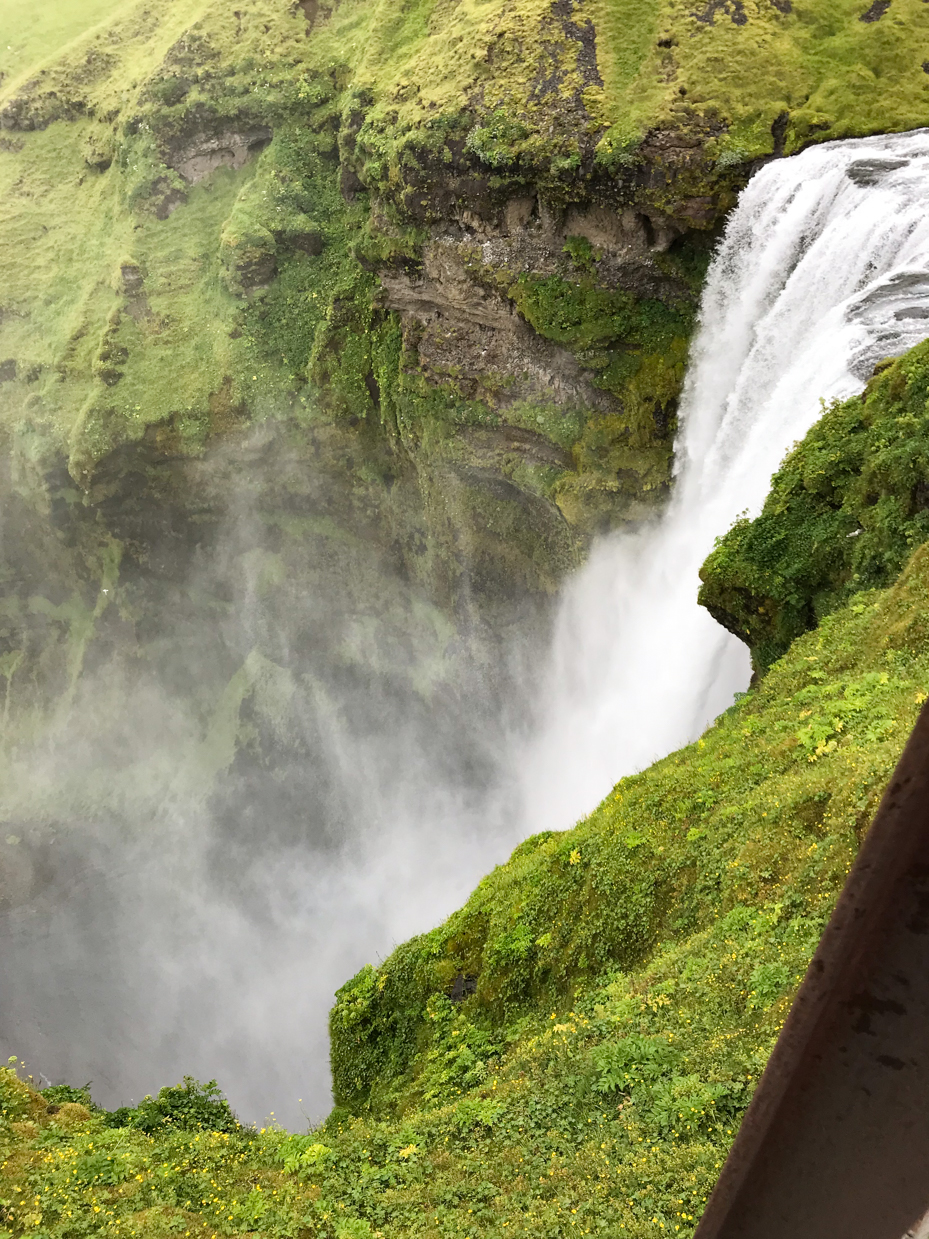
(310,10)
(513,305)
(231,148)
(464,325)
(463,331)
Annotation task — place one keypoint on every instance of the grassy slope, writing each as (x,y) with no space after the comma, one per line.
(35,32)
(72,232)
(834,74)
(632,976)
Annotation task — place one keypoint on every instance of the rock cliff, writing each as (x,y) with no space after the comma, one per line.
(463,241)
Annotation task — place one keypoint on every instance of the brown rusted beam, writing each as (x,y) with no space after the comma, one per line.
(835,1144)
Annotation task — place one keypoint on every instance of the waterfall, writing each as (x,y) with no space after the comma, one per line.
(169,933)
(822,272)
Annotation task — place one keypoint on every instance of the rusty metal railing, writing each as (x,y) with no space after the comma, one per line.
(835,1144)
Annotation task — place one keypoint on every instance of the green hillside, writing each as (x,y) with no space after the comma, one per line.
(34,33)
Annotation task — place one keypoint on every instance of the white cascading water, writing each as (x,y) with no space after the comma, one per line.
(823,271)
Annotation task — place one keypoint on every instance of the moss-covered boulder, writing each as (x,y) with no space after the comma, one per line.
(845,511)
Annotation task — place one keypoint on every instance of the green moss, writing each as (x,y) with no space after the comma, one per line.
(739,67)
(845,511)
(583,316)
(636,349)
(35,34)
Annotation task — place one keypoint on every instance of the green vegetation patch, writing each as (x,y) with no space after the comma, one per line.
(757,74)
(33,33)
(845,511)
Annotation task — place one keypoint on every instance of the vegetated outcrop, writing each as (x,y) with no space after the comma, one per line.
(845,511)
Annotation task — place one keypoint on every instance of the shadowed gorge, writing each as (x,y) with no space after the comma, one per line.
(374,380)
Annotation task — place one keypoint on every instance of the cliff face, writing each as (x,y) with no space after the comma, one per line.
(460,243)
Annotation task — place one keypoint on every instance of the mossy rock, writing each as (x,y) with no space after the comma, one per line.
(845,511)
